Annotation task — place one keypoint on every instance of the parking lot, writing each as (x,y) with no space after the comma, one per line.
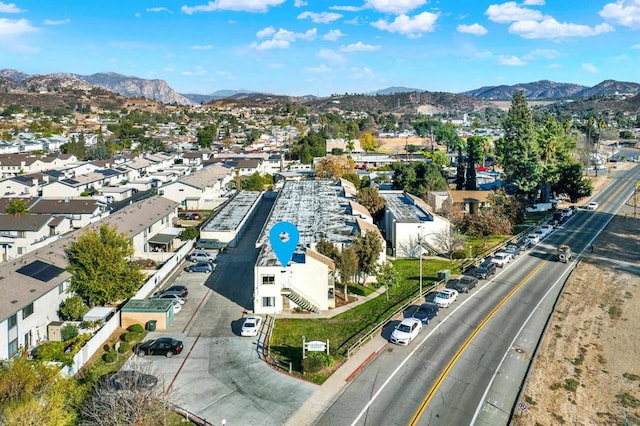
(220,375)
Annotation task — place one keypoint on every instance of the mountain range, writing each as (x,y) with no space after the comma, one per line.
(12,81)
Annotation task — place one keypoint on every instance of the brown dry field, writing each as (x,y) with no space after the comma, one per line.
(587,370)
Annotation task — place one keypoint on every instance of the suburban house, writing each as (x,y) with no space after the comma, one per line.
(16,164)
(21,234)
(80,211)
(22,185)
(320,211)
(202,190)
(408,223)
(78,186)
(34,287)
(470,201)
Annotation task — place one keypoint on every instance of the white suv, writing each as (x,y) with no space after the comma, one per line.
(501,259)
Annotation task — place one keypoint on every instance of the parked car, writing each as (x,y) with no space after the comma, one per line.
(201,256)
(251,326)
(445,297)
(512,249)
(180,289)
(548,228)
(166,346)
(426,312)
(205,267)
(501,258)
(485,270)
(533,238)
(465,284)
(568,212)
(170,296)
(177,306)
(591,206)
(127,380)
(406,331)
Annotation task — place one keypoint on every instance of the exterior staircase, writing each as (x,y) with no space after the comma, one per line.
(296,298)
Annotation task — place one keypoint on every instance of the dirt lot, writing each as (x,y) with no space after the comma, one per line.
(587,371)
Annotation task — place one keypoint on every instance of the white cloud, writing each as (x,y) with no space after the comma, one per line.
(10,8)
(58,22)
(282,38)
(623,12)
(590,68)
(550,28)
(542,53)
(158,9)
(475,29)
(333,35)
(197,70)
(202,47)
(359,47)
(320,18)
(533,2)
(412,27)
(300,3)
(510,12)
(636,46)
(17,27)
(330,56)
(511,61)
(397,7)
(361,73)
(233,5)
(320,69)
(347,8)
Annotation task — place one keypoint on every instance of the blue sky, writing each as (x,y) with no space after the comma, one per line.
(321,47)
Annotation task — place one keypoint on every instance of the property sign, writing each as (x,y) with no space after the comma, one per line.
(316,346)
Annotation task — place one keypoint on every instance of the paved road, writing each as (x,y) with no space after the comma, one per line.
(221,375)
(490,348)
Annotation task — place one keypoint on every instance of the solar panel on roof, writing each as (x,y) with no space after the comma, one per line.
(40,270)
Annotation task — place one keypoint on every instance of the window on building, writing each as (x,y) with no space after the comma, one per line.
(27,310)
(268,301)
(60,288)
(268,279)
(22,234)
(22,250)
(13,347)
(12,321)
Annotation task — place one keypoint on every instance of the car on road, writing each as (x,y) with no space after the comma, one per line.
(201,256)
(512,249)
(170,296)
(501,259)
(179,289)
(591,205)
(406,331)
(426,312)
(251,326)
(485,270)
(533,238)
(205,267)
(166,346)
(567,212)
(130,380)
(548,228)
(465,284)
(445,297)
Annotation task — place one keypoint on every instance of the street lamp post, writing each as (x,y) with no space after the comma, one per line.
(420,254)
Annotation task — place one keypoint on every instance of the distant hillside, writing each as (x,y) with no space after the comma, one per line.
(611,87)
(128,86)
(394,90)
(543,89)
(219,94)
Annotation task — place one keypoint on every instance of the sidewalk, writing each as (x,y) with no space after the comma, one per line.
(321,399)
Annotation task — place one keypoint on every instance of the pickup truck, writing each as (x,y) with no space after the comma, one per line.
(501,259)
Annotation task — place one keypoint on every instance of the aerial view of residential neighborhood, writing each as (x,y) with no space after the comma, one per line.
(417,213)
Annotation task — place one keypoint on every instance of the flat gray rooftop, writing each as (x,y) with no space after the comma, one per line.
(404,209)
(233,213)
(318,210)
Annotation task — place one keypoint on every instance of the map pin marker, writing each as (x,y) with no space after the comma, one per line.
(284,237)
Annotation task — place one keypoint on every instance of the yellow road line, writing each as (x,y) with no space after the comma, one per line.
(464,346)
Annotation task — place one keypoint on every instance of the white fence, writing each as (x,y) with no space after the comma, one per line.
(102,335)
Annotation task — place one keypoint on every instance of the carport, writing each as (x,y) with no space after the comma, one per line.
(161,242)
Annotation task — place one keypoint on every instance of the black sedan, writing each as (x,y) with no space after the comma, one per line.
(127,380)
(166,346)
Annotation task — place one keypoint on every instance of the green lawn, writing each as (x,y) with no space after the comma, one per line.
(345,329)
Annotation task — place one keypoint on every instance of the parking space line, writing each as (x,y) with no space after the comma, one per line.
(195,312)
(184,361)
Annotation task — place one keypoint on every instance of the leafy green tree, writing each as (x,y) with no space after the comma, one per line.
(207,135)
(255,182)
(368,248)
(474,152)
(371,199)
(556,148)
(327,248)
(521,157)
(387,276)
(33,393)
(348,266)
(440,158)
(99,261)
(461,176)
(353,178)
(487,223)
(73,308)
(418,177)
(572,182)
(17,207)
